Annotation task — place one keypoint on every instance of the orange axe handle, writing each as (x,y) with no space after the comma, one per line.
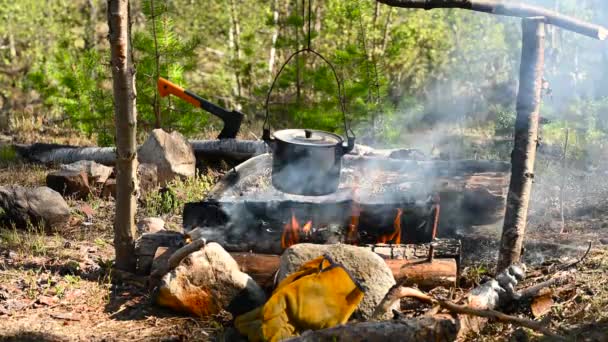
(165,88)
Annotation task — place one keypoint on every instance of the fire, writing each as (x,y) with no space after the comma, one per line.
(291,232)
(352,235)
(395,236)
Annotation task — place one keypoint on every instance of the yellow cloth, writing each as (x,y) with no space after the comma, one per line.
(321,294)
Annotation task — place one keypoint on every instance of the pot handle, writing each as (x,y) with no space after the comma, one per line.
(270,141)
(350,144)
(350,135)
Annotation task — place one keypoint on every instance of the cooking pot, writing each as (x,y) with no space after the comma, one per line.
(305,161)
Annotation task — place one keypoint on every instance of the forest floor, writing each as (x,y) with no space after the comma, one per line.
(57,286)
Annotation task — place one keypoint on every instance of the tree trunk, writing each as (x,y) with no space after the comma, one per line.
(156,105)
(123,75)
(526,141)
(90,32)
(275,35)
(236,34)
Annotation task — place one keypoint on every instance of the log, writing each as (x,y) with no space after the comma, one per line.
(426,274)
(431,329)
(261,267)
(65,154)
(511,9)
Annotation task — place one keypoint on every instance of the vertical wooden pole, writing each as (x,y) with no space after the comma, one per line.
(125,114)
(526,140)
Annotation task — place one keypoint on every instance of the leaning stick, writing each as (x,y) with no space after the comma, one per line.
(177,257)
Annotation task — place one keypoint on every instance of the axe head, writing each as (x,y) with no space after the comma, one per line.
(232,124)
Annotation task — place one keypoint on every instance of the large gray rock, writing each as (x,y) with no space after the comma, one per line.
(366,266)
(207,281)
(170,152)
(97,173)
(37,206)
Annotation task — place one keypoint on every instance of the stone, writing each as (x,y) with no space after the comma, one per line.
(109,189)
(97,173)
(147,177)
(150,225)
(208,281)
(37,206)
(366,266)
(171,153)
(69,183)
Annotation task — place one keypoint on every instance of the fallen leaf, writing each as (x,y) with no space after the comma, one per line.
(542,304)
(46,300)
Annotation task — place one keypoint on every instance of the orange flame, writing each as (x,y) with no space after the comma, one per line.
(352,235)
(291,232)
(395,236)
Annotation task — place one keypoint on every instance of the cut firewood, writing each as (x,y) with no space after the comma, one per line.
(262,268)
(426,274)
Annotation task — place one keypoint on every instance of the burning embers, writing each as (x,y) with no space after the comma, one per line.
(293,233)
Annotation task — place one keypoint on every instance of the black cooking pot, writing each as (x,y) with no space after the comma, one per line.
(307,162)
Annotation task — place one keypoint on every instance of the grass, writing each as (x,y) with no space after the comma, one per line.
(171,199)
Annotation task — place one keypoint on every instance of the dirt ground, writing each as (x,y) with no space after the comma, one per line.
(58,285)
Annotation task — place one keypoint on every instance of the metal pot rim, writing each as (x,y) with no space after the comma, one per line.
(288,136)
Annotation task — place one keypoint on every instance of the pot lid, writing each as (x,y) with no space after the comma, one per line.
(308,137)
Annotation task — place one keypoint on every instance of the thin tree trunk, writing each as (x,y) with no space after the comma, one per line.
(563,182)
(156,104)
(123,75)
(298,72)
(90,34)
(236,32)
(526,141)
(275,35)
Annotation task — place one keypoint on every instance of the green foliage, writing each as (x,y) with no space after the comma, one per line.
(171,199)
(159,49)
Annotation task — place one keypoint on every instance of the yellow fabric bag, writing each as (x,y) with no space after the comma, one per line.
(321,294)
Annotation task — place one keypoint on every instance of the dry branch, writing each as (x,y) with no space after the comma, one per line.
(511,9)
(399,292)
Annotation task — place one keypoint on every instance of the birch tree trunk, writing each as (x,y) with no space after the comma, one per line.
(526,140)
(123,75)
(236,33)
(275,36)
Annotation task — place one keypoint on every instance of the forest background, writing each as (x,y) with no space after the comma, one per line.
(413,78)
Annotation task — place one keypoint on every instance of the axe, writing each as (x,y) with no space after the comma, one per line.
(232,119)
